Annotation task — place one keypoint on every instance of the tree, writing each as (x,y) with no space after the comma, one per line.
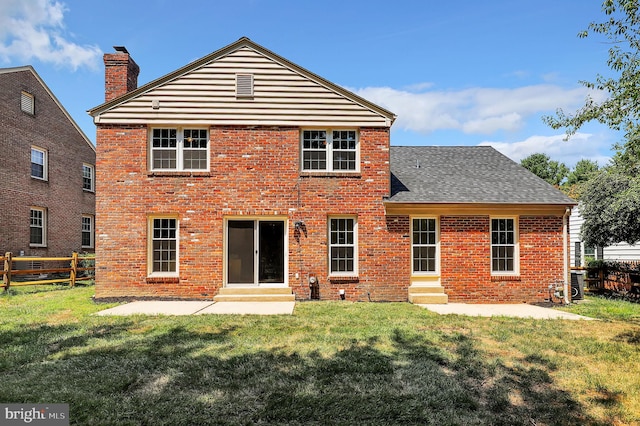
(582,172)
(610,207)
(543,167)
(610,202)
(621,110)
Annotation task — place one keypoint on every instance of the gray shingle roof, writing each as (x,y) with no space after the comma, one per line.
(465,174)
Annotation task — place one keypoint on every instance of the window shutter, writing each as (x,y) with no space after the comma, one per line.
(27,103)
(244,85)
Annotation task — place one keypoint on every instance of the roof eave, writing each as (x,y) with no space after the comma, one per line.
(476,208)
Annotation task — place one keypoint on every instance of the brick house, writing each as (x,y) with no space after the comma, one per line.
(243,173)
(47,164)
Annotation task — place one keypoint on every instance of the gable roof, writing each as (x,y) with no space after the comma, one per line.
(465,174)
(29,68)
(204,92)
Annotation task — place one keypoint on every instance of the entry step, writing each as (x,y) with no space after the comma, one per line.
(427,295)
(255,294)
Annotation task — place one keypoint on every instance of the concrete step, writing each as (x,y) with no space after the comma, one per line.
(255,294)
(428,295)
(425,289)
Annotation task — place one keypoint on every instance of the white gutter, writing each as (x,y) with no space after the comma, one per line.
(565,228)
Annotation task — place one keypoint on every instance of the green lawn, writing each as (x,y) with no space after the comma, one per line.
(329,363)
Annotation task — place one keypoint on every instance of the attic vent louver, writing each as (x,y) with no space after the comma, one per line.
(27,103)
(244,85)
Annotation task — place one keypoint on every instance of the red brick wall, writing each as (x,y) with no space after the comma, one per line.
(254,173)
(62,194)
(466,260)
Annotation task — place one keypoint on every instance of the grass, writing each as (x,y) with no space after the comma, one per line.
(329,363)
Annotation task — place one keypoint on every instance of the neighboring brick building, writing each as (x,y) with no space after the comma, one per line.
(47,190)
(243,172)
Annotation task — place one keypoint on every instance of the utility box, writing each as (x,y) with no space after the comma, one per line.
(577,286)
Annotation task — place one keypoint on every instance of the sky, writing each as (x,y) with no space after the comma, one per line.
(463,72)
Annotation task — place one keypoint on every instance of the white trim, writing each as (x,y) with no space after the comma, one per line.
(42,210)
(150,272)
(91,231)
(437,247)
(92,168)
(179,149)
(329,150)
(516,247)
(45,161)
(353,273)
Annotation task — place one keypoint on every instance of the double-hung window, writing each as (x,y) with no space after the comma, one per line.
(330,150)
(38,227)
(343,246)
(424,245)
(87,231)
(163,245)
(504,248)
(88,177)
(38,163)
(179,149)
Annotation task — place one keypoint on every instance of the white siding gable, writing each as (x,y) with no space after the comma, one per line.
(283,95)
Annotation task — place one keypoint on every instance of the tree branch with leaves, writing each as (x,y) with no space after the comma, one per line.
(610,201)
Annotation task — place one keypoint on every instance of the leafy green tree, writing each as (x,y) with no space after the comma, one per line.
(610,201)
(543,167)
(582,172)
(610,207)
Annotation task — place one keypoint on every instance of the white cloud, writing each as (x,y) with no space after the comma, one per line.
(474,110)
(579,146)
(34,29)
(512,121)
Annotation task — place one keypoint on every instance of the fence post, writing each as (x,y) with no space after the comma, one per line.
(74,268)
(8,265)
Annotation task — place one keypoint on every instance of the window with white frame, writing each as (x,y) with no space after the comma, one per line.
(87,231)
(424,243)
(38,227)
(343,245)
(39,163)
(504,249)
(163,245)
(88,173)
(179,149)
(330,150)
(27,103)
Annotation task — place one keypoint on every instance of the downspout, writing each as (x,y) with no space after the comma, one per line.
(565,252)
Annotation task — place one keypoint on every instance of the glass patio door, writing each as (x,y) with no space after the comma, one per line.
(255,252)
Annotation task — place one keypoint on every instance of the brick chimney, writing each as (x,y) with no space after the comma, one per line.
(120,73)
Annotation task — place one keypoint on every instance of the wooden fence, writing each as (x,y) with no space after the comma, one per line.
(18,271)
(614,277)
